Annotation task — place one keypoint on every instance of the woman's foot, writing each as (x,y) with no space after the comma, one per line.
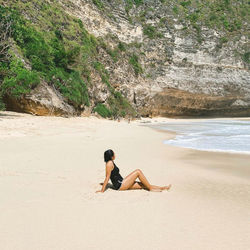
(166,187)
(155,189)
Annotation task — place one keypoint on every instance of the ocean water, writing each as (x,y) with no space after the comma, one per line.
(210,135)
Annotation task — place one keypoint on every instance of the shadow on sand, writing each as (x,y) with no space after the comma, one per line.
(108,186)
(8,115)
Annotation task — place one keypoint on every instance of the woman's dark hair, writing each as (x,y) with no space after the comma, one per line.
(108,154)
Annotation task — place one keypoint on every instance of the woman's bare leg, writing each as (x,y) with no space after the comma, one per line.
(162,188)
(130,183)
(138,185)
(129,180)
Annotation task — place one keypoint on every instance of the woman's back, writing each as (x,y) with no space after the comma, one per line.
(115,177)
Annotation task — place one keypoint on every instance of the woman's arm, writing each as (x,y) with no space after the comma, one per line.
(109,167)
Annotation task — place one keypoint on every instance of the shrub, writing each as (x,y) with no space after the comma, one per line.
(98,3)
(128,5)
(121,46)
(185,3)
(119,105)
(134,61)
(19,80)
(193,17)
(102,110)
(71,86)
(33,45)
(246,57)
(223,39)
(2,106)
(175,9)
(138,2)
(151,32)
(113,54)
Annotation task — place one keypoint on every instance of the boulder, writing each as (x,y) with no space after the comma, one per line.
(43,100)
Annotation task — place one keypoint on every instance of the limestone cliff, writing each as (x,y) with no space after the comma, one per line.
(202,73)
(173,59)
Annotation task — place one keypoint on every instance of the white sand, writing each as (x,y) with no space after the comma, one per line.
(50,168)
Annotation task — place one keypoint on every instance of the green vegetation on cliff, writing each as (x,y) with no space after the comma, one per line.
(102,110)
(19,80)
(47,43)
(224,15)
(119,106)
(48,57)
(134,61)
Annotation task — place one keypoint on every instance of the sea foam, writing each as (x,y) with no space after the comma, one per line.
(210,135)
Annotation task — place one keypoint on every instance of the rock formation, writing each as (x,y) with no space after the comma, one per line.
(42,100)
(202,79)
(185,70)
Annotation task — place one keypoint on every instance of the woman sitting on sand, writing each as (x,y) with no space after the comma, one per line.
(120,183)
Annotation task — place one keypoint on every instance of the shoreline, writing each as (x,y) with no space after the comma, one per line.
(172,134)
(50,168)
(147,122)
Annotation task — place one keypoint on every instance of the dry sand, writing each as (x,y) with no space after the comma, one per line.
(50,168)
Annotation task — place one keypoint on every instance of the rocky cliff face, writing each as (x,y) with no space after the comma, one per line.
(171,62)
(182,75)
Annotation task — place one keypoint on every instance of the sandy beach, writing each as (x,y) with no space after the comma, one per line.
(50,168)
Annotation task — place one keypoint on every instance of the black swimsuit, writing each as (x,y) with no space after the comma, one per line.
(116,178)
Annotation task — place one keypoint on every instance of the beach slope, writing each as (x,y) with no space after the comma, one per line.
(50,168)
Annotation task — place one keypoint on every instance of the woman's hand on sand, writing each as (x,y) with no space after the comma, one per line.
(99,191)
